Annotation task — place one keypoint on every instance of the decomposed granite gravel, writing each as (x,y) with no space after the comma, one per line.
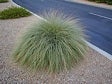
(94,69)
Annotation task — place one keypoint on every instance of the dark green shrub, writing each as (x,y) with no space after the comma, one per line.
(3,1)
(14,12)
(109,2)
(103,1)
(52,45)
(99,1)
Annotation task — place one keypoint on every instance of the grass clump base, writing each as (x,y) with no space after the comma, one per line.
(14,12)
(53,45)
(3,1)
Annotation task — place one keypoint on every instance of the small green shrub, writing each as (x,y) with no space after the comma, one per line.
(3,1)
(109,2)
(103,1)
(14,12)
(53,45)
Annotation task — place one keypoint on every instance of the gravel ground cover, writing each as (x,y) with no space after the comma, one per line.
(94,69)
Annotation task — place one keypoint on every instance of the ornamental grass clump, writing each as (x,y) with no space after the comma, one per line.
(52,45)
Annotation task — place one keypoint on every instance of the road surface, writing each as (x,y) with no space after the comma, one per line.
(97,21)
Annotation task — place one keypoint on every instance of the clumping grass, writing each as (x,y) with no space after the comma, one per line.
(14,12)
(53,45)
(3,1)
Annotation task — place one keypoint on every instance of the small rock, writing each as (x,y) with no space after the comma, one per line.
(1,66)
(83,81)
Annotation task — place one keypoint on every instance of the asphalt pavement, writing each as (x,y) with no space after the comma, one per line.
(97,21)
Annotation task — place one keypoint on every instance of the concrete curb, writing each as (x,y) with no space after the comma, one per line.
(92,4)
(104,53)
(107,55)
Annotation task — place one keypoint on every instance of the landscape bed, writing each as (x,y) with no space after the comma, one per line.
(94,69)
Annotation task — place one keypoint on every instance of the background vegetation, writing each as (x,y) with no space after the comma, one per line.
(103,1)
(13,12)
(3,1)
